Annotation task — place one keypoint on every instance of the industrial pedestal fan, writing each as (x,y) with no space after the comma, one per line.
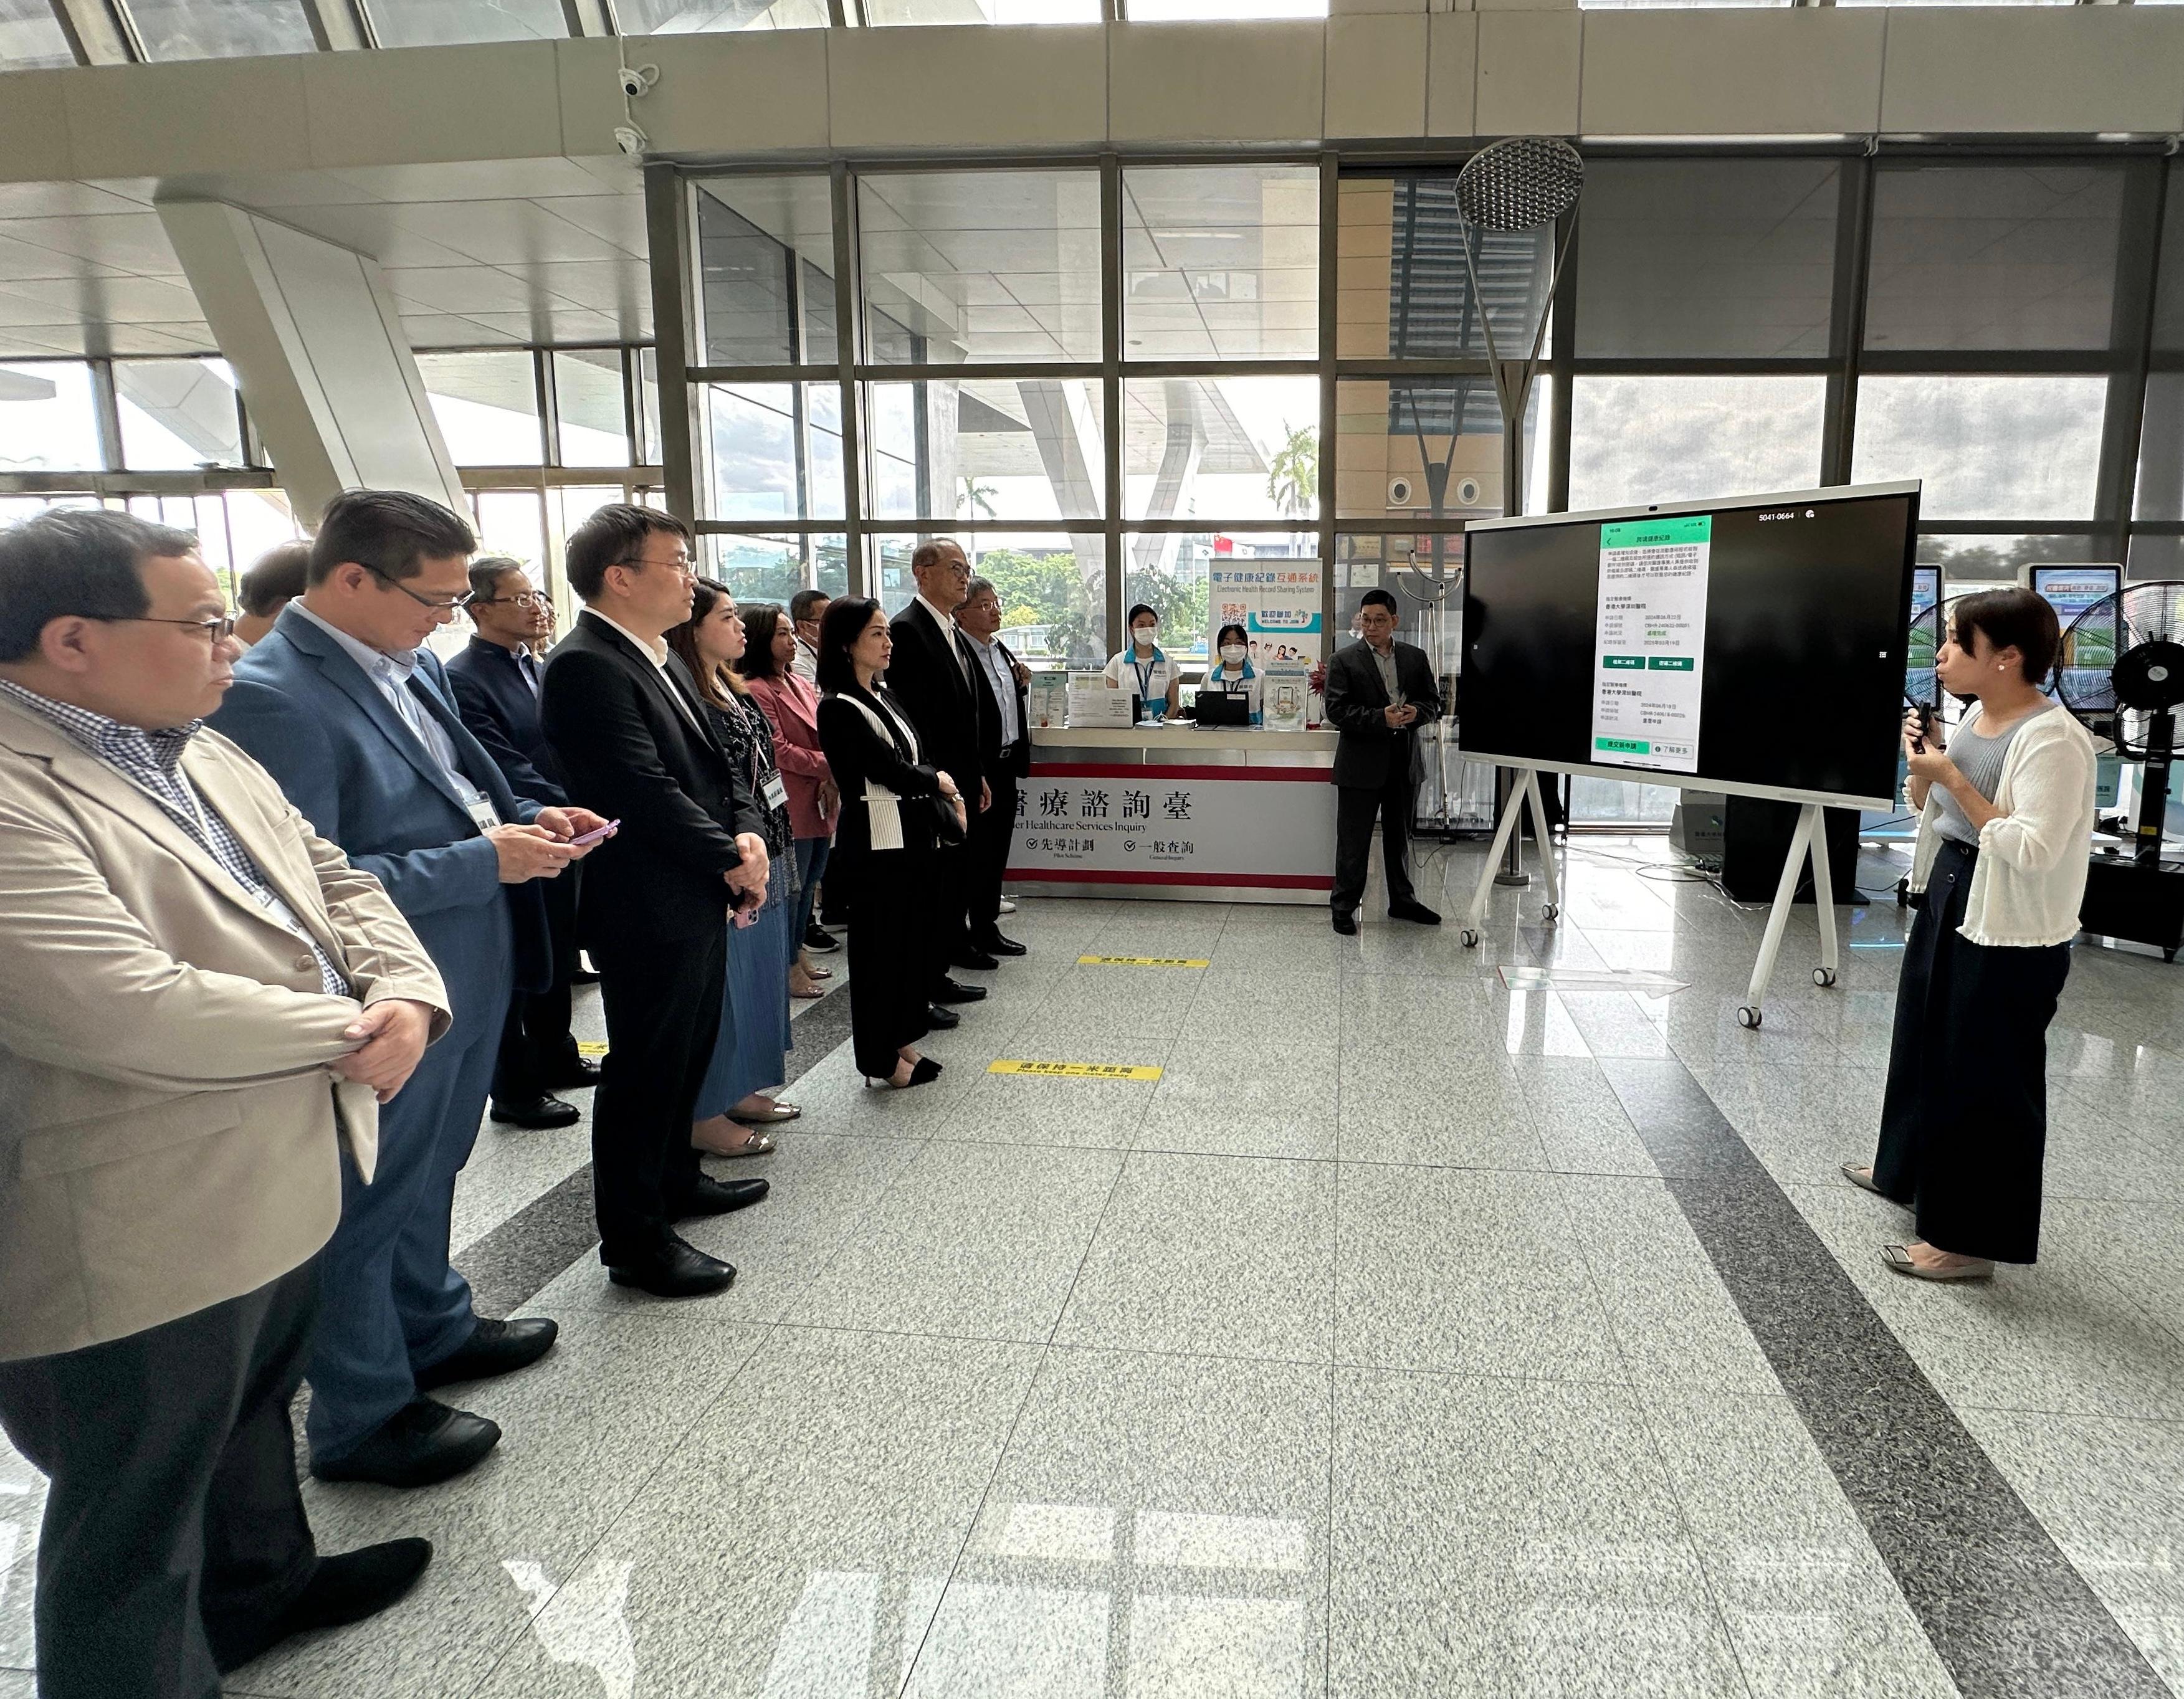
(2121,672)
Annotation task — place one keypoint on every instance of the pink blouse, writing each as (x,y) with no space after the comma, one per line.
(791,707)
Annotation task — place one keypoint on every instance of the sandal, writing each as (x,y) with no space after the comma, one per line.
(1898,1258)
(1862,1178)
(775,1112)
(753,1143)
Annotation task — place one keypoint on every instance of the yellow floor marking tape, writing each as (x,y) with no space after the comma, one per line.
(1060,1070)
(591,1047)
(1143,962)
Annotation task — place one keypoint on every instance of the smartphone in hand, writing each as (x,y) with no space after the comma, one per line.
(587,839)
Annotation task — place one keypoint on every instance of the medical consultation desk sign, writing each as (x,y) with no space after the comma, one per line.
(1268,829)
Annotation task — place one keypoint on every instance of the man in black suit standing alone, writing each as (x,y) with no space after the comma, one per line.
(496,684)
(1005,750)
(625,720)
(1378,693)
(933,675)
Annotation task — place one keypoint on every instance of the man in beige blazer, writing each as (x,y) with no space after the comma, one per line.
(201,1000)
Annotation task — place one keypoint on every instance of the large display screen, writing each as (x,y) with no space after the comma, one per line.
(1755,644)
(2088,657)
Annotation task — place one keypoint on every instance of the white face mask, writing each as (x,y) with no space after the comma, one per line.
(1143,635)
(1232,653)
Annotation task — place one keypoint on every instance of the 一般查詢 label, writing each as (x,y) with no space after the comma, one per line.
(1649,651)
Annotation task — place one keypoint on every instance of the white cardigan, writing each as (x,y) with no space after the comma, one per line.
(2031,876)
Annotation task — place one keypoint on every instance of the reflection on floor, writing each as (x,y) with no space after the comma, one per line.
(1366,1351)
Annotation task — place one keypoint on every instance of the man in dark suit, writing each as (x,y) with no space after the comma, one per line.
(353,717)
(626,721)
(1378,693)
(496,686)
(1004,750)
(933,677)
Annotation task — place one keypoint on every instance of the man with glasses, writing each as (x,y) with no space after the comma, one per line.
(202,1005)
(345,707)
(496,685)
(627,723)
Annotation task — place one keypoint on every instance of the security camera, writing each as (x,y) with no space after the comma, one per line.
(631,140)
(632,82)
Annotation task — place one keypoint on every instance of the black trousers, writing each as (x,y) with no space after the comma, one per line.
(662,1001)
(1355,807)
(954,873)
(893,936)
(993,834)
(537,1047)
(1963,1128)
(174,1533)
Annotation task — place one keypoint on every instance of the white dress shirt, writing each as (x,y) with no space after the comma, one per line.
(805,665)
(657,650)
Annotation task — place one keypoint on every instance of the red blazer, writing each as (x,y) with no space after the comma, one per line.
(791,707)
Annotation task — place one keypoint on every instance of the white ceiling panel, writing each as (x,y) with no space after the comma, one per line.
(476,180)
(133,242)
(609,286)
(502,232)
(451,330)
(114,300)
(458,289)
(372,230)
(618,219)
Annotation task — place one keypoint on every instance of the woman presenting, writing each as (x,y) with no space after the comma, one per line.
(885,844)
(1235,668)
(1145,672)
(2006,818)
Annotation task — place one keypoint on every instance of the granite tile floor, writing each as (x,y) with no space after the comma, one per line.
(1372,1349)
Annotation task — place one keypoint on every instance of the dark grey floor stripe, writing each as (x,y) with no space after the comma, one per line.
(2009,1615)
(508,1267)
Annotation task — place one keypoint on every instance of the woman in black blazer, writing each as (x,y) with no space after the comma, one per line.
(883,852)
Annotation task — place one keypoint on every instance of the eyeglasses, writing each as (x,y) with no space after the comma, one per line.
(531,598)
(685,566)
(219,628)
(436,604)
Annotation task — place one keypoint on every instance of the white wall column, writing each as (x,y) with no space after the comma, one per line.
(313,335)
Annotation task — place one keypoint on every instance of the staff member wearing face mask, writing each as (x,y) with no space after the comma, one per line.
(1235,668)
(1143,671)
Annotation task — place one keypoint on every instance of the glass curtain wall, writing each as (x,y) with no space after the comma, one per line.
(1105,377)
(541,437)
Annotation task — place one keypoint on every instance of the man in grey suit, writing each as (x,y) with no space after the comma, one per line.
(204,1004)
(1378,693)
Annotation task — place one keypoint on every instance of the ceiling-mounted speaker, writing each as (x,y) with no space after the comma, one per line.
(1467,492)
(1398,492)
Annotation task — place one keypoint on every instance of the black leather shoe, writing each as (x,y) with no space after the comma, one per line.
(971,957)
(423,1442)
(342,1591)
(1346,923)
(995,945)
(1413,911)
(539,1116)
(819,940)
(492,1348)
(575,1073)
(956,991)
(719,1197)
(941,1020)
(675,1270)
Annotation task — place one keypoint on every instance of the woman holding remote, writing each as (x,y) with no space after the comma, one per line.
(2006,819)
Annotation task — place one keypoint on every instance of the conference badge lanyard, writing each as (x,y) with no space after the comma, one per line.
(765,776)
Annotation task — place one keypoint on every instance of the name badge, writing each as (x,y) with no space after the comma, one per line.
(481,810)
(777,793)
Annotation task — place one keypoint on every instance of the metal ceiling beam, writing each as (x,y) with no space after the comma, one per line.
(337,26)
(590,17)
(100,32)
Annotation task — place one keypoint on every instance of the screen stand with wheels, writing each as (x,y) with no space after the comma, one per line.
(1809,842)
(1525,791)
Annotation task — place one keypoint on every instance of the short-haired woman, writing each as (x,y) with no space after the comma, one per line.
(884,848)
(791,706)
(1232,667)
(751,1052)
(2006,820)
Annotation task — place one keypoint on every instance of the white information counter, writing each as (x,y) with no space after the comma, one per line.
(1223,815)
